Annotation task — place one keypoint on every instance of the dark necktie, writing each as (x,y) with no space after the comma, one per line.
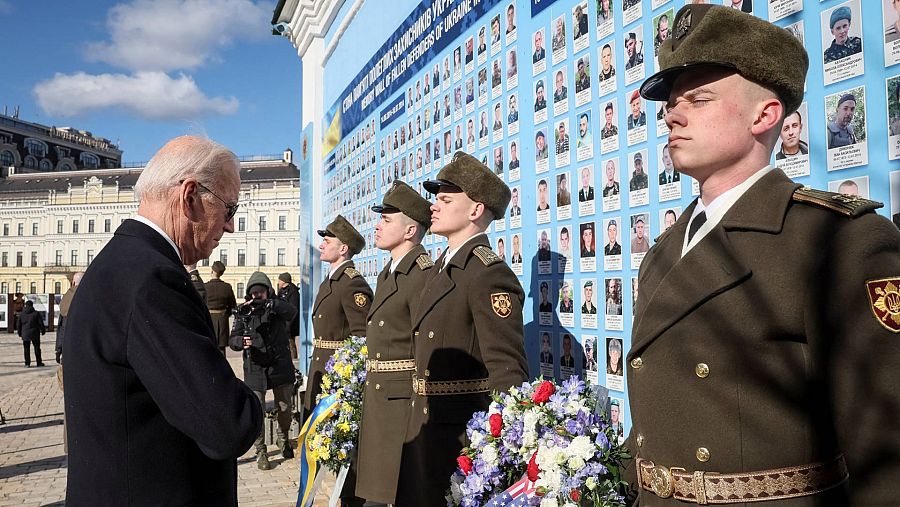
(696,224)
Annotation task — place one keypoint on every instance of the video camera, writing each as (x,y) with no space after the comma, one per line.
(251,307)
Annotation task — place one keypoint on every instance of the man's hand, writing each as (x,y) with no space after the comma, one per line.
(247,342)
(58,356)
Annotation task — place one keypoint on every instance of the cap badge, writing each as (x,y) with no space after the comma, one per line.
(684,24)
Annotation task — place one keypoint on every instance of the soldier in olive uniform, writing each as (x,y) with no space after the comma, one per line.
(467,331)
(220,301)
(767,315)
(196,280)
(339,311)
(405,218)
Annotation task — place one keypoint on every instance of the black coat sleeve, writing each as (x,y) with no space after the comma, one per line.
(171,349)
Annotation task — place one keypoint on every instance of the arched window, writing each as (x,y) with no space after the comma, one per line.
(7,158)
(36,147)
(30,162)
(90,161)
(57,288)
(66,166)
(46,165)
(33,288)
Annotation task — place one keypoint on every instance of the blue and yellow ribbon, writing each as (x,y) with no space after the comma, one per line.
(308,464)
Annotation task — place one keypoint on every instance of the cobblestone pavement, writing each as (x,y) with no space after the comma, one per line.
(32,460)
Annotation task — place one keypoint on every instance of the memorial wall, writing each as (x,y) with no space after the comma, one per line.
(545,94)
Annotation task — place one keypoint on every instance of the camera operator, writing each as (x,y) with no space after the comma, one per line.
(260,330)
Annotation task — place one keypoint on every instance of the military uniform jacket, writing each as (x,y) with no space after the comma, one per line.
(220,301)
(340,310)
(761,349)
(468,326)
(387,394)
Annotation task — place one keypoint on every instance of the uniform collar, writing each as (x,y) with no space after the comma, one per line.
(338,270)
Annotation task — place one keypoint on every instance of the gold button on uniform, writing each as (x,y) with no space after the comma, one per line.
(427,373)
(425,410)
(369,323)
(378,355)
(377,386)
(380,323)
(431,334)
(703,454)
(320,315)
(640,440)
(702,370)
(636,363)
(417,333)
(317,358)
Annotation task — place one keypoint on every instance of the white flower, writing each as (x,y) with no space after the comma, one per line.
(580,450)
(549,502)
(490,456)
(529,433)
(573,406)
(591,482)
(455,490)
(476,439)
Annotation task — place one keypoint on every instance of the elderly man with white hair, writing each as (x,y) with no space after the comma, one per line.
(155,414)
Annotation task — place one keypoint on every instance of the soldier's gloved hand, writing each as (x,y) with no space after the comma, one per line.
(58,356)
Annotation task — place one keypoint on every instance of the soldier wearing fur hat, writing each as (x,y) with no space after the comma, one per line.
(467,330)
(340,310)
(220,301)
(405,218)
(768,310)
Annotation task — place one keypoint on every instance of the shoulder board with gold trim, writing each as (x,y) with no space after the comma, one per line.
(424,262)
(486,255)
(847,205)
(352,272)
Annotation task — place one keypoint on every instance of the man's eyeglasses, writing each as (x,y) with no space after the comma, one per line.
(230,209)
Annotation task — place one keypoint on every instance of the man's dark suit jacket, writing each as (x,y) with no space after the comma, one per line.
(155,415)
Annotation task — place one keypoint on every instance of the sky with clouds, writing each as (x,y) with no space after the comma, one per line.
(143,71)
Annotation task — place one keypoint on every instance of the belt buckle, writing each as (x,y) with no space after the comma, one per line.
(662,481)
(418,386)
(370,364)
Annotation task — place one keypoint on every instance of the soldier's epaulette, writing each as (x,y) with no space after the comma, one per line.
(847,205)
(352,272)
(424,262)
(486,255)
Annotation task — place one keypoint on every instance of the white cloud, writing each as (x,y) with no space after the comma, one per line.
(170,35)
(150,95)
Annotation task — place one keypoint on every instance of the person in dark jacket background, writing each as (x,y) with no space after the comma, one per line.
(63,314)
(220,301)
(287,291)
(260,330)
(196,280)
(31,326)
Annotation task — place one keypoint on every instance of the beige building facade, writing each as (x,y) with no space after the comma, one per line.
(54,224)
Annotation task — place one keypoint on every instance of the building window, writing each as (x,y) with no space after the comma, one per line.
(281,256)
(240,291)
(4,288)
(34,229)
(7,158)
(21,229)
(74,258)
(90,161)
(59,257)
(242,257)
(59,226)
(223,256)
(34,259)
(33,288)
(4,260)
(262,256)
(204,262)
(74,226)
(90,256)
(18,259)
(46,165)
(242,224)
(6,229)
(262,223)
(91,225)
(30,162)
(66,166)
(18,287)
(106,225)
(57,288)
(36,147)
(282,223)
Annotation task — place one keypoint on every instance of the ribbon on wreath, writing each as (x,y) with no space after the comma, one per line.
(308,464)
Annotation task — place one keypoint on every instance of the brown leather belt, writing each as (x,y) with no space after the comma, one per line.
(714,488)
(328,344)
(378,365)
(217,311)
(424,387)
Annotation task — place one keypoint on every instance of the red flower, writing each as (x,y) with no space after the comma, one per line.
(532,469)
(575,495)
(543,392)
(465,464)
(496,421)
